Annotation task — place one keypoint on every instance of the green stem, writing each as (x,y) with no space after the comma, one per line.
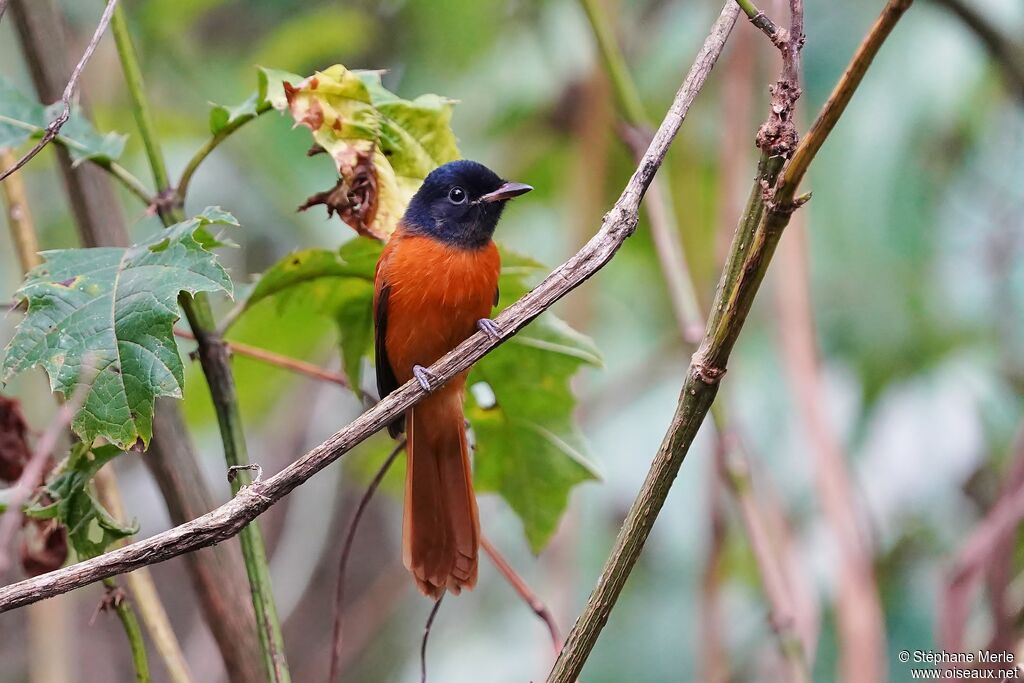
(625,89)
(140,106)
(131,629)
(210,145)
(216,366)
(759,19)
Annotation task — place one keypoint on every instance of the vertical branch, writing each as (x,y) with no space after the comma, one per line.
(217,573)
(691,321)
(736,291)
(213,356)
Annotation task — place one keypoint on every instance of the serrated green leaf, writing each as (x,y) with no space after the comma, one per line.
(113,309)
(530,450)
(22,119)
(91,529)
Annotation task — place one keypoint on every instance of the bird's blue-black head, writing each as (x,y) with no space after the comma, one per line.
(460,203)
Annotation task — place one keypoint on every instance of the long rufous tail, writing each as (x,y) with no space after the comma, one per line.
(441,529)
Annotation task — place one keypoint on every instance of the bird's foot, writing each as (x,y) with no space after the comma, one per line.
(425,377)
(489,327)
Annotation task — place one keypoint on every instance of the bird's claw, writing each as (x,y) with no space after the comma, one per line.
(424,377)
(489,327)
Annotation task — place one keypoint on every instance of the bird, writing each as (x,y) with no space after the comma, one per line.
(435,285)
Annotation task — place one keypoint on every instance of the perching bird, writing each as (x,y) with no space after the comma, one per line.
(435,285)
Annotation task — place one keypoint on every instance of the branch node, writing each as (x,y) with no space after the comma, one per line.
(708,374)
(253,467)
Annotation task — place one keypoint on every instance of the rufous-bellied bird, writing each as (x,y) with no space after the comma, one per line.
(435,285)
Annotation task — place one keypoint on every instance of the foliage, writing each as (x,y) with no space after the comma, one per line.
(68,498)
(22,118)
(105,316)
(383,146)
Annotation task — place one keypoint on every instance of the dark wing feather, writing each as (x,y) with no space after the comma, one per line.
(497,295)
(386,381)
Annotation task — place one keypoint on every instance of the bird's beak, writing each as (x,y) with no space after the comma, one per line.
(506,191)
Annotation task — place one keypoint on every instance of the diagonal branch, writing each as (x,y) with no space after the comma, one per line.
(230,518)
(69,91)
(750,254)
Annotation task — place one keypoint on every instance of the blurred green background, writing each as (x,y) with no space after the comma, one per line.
(914,242)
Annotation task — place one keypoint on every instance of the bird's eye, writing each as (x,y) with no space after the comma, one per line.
(457,195)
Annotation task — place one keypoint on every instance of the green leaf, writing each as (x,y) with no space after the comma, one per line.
(530,450)
(22,119)
(336,284)
(383,146)
(113,309)
(68,497)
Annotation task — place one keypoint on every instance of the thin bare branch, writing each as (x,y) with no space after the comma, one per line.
(1007,54)
(525,592)
(69,91)
(426,634)
(974,555)
(750,254)
(281,361)
(346,551)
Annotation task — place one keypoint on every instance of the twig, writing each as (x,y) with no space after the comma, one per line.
(54,127)
(213,356)
(35,469)
(115,598)
(293,364)
(737,288)
(783,616)
(346,551)
(974,556)
(193,165)
(658,203)
(525,592)
(1008,54)
(761,21)
(228,519)
(426,635)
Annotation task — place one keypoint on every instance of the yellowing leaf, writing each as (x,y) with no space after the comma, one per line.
(383,146)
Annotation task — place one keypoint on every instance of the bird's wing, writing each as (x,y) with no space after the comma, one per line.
(386,381)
